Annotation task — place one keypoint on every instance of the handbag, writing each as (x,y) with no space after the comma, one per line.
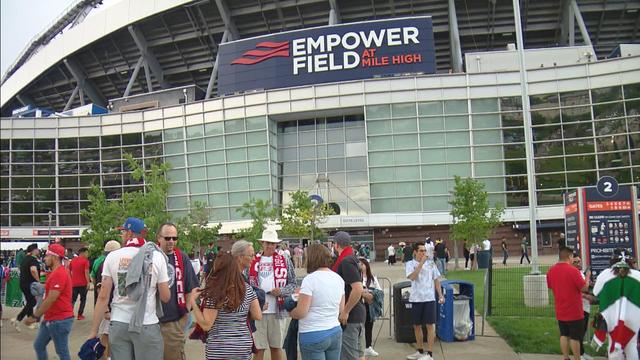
(198,332)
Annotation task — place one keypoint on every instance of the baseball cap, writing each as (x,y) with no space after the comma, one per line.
(56,250)
(111,245)
(91,349)
(342,238)
(133,224)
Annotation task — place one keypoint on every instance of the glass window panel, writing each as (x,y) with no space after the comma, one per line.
(544,101)
(321,165)
(42,182)
(215,142)
(111,140)
(218,200)
(259,182)
(632,91)
(257,152)
(234,126)
(214,128)
(195,145)
(27,156)
(408,188)
(493,184)
(195,131)
(613,126)
(176,175)
(27,144)
(513,135)
(197,187)
(50,156)
(487,153)
(68,207)
(622,175)
(431,123)
(456,122)
(383,190)
(63,143)
(579,146)
(129,139)
(486,121)
(28,169)
(404,125)
(335,135)
(587,178)
(486,137)
(256,123)
(171,148)
(356,163)
(335,122)
(153,137)
(307,167)
(153,150)
(89,155)
(22,182)
(112,180)
(543,133)
(383,206)
(430,156)
(378,112)
(407,157)
(216,171)
(612,143)
(409,204)
(548,148)
(484,105)
(511,103)
(571,98)
(430,108)
(4,144)
(614,159)
(606,111)
(50,144)
(434,171)
(335,150)
(72,156)
(63,169)
(405,141)
(237,169)
(305,138)
(606,94)
(579,113)
(435,187)
(288,154)
(489,168)
(577,130)
(435,203)
(240,183)
(512,119)
(22,208)
(307,152)
(335,165)
(218,185)
(357,178)
(514,183)
(551,181)
(455,107)
(88,181)
(380,142)
(353,134)
(238,198)
(215,157)
(549,165)
(173,134)
(258,167)
(195,159)
(463,170)
(457,138)
(583,162)
(178,202)
(403,110)
(458,154)
(236,154)
(379,127)
(542,117)
(197,173)
(632,107)
(256,138)
(235,140)
(45,169)
(70,194)
(432,140)
(381,174)
(176,161)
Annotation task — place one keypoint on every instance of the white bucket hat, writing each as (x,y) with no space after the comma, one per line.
(270,235)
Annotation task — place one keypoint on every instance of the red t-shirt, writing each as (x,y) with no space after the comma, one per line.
(61,309)
(78,267)
(566,283)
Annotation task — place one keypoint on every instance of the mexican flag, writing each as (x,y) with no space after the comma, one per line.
(620,306)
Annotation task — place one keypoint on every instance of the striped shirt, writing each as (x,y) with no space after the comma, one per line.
(229,337)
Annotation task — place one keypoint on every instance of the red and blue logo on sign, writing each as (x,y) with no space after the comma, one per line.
(274,49)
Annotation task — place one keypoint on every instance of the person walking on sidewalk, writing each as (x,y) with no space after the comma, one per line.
(80,279)
(425,283)
(391,252)
(505,250)
(441,256)
(523,247)
(370,282)
(29,273)
(183,281)
(56,308)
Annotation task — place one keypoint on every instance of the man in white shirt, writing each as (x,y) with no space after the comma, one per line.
(425,283)
(125,344)
(429,247)
(392,255)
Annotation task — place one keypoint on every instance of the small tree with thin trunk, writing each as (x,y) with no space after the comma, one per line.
(300,218)
(473,218)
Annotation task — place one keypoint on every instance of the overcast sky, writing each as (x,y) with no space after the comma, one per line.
(20,21)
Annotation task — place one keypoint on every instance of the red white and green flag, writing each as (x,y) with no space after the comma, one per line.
(620,307)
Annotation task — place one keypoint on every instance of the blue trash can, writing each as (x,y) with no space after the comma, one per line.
(453,319)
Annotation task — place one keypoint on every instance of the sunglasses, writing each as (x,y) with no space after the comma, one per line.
(170,238)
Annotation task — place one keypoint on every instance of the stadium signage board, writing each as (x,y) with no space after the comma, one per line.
(327,54)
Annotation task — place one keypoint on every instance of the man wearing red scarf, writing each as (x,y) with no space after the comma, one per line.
(182,281)
(354,314)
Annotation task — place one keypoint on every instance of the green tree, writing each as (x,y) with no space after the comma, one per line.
(148,204)
(300,218)
(260,212)
(194,230)
(473,219)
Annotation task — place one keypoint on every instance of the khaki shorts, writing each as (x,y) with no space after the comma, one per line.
(269,332)
(173,337)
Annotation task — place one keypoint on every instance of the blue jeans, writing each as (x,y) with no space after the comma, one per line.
(441,263)
(58,331)
(327,349)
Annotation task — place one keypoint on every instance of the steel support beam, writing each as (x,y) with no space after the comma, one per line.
(25,100)
(84,83)
(73,96)
(133,77)
(149,57)
(234,34)
(454,38)
(334,13)
(564,21)
(581,25)
(214,71)
(147,75)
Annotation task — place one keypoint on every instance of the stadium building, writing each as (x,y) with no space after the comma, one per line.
(152,79)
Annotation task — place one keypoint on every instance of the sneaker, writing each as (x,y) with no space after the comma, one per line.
(416,355)
(426,356)
(15,324)
(370,352)
(80,317)
(34,326)
(586,357)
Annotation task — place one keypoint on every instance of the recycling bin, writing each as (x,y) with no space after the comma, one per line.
(403,325)
(484,259)
(456,316)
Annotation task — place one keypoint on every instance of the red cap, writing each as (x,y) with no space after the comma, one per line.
(56,250)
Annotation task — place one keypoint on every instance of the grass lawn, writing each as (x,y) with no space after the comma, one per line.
(526,329)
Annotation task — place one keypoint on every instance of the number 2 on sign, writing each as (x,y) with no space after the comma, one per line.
(608,186)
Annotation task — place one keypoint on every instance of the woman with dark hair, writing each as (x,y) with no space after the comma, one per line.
(321,299)
(227,301)
(370,282)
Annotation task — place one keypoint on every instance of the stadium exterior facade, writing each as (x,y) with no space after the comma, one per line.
(385,150)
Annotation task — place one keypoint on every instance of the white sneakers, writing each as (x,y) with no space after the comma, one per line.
(15,324)
(418,356)
(370,352)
